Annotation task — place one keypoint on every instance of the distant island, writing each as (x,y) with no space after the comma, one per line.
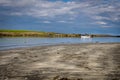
(27,33)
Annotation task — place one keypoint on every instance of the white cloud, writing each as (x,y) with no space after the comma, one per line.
(101,22)
(106,26)
(72,9)
(65,21)
(42,8)
(16,13)
(62,21)
(46,22)
(52,9)
(17,3)
(100,18)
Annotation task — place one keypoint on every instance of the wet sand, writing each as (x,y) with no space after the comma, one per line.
(90,61)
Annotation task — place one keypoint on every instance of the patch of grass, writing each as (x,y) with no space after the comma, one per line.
(21,31)
(15,31)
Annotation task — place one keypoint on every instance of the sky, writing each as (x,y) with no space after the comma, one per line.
(62,16)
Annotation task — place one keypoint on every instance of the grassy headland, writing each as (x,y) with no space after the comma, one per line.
(27,33)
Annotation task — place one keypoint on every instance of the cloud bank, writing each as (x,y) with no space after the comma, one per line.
(101,11)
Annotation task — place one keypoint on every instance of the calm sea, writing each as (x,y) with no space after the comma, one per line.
(7,43)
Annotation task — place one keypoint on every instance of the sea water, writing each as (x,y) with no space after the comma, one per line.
(17,42)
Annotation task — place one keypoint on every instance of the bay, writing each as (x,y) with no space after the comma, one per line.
(17,42)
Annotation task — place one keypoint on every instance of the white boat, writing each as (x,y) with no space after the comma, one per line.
(85,36)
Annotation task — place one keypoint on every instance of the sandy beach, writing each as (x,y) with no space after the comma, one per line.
(86,61)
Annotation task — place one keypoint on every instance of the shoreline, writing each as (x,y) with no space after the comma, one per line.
(84,61)
(48,45)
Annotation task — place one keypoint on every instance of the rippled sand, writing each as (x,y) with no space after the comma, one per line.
(92,61)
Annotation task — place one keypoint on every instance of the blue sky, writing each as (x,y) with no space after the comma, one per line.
(63,16)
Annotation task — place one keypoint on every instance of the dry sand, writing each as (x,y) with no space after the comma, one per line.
(94,61)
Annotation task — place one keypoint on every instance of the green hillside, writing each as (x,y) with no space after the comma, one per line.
(20,31)
(27,33)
